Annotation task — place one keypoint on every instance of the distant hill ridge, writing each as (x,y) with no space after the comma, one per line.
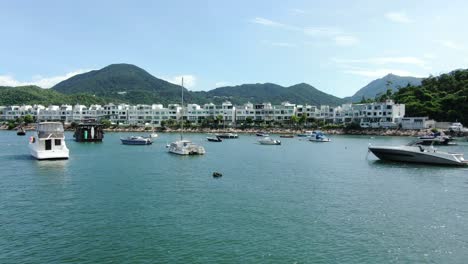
(141,87)
(127,83)
(380,86)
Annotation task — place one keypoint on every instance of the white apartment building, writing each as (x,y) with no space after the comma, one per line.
(386,114)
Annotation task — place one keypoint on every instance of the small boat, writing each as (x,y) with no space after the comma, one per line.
(418,154)
(286,136)
(21,132)
(436,138)
(136,140)
(217,174)
(306,134)
(318,136)
(214,139)
(269,141)
(186,147)
(153,135)
(48,142)
(227,135)
(456,127)
(261,134)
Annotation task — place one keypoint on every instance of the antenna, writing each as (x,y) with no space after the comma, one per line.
(182,109)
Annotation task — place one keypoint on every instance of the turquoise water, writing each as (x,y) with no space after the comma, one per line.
(300,202)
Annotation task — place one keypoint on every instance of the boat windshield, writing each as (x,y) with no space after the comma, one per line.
(47,130)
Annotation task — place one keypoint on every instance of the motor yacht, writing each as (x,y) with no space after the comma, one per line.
(269,141)
(435,138)
(186,147)
(48,142)
(136,140)
(214,139)
(418,154)
(227,135)
(318,136)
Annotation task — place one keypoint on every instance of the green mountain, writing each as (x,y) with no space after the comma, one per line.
(124,83)
(443,98)
(131,84)
(269,92)
(380,86)
(36,95)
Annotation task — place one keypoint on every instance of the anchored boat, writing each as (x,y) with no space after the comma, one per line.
(418,154)
(269,141)
(136,140)
(48,142)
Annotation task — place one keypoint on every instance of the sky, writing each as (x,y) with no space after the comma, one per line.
(335,46)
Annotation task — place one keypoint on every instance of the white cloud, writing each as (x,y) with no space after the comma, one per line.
(450,44)
(189,80)
(381,72)
(346,40)
(321,31)
(44,82)
(222,83)
(266,22)
(332,34)
(398,17)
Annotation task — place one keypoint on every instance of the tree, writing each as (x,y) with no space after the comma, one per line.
(294,120)
(302,119)
(28,119)
(106,123)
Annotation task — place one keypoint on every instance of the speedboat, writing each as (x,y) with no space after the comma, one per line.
(186,147)
(435,138)
(306,134)
(318,136)
(456,127)
(48,142)
(418,154)
(287,136)
(261,134)
(269,141)
(136,140)
(214,139)
(227,135)
(21,132)
(153,135)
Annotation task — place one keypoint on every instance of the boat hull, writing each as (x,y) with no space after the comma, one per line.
(414,155)
(136,142)
(49,154)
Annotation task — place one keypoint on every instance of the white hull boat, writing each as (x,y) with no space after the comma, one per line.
(418,154)
(186,147)
(49,142)
(269,141)
(318,136)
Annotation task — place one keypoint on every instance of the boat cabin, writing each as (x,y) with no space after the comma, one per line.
(89,132)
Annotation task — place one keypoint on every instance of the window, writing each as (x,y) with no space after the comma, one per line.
(58,142)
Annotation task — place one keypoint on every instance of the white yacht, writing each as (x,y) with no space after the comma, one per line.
(319,136)
(418,154)
(186,147)
(183,146)
(49,142)
(269,141)
(456,127)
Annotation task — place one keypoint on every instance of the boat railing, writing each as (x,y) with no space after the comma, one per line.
(48,135)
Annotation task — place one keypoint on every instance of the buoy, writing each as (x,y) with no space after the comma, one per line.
(217,174)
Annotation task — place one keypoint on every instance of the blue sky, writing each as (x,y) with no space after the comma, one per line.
(336,46)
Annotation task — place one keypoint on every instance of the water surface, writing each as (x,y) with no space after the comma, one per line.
(301,202)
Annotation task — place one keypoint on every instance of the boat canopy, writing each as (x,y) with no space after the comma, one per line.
(50,130)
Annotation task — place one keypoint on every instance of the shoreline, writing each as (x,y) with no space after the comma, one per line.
(279,131)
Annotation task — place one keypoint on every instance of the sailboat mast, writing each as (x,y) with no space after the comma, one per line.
(182,109)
